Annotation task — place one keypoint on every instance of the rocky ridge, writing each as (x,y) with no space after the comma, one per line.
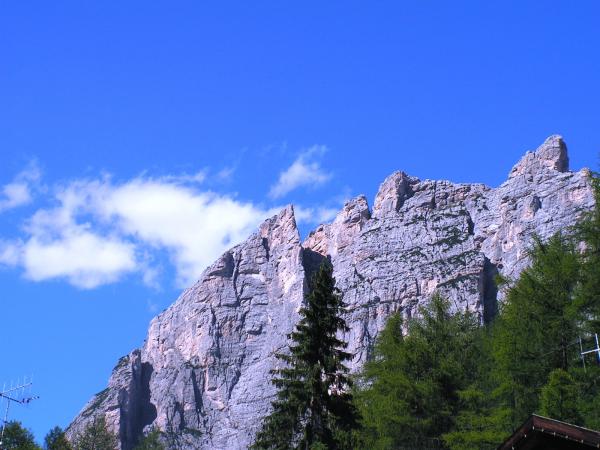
(202,375)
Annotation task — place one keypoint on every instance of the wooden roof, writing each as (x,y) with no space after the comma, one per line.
(539,433)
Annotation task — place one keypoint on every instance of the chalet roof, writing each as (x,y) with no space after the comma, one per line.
(543,433)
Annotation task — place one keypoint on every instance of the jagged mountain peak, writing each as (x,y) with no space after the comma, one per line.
(551,155)
(393,192)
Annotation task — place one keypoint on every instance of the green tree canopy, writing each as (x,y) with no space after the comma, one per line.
(409,394)
(537,327)
(313,408)
(560,397)
(18,438)
(151,441)
(96,437)
(57,440)
(588,232)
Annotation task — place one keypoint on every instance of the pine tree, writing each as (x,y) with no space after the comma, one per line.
(588,404)
(559,398)
(96,437)
(410,389)
(17,438)
(151,441)
(588,232)
(57,440)
(479,424)
(535,329)
(587,298)
(313,408)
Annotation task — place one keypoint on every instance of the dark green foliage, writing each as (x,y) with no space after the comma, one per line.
(411,387)
(313,408)
(588,405)
(478,424)
(18,438)
(536,328)
(588,231)
(96,437)
(588,300)
(151,441)
(560,397)
(57,440)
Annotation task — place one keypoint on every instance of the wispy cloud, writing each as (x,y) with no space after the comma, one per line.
(198,177)
(225,175)
(10,252)
(152,306)
(305,171)
(20,190)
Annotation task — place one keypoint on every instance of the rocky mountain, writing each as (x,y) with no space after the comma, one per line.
(202,374)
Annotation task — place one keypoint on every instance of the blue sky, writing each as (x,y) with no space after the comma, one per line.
(141,139)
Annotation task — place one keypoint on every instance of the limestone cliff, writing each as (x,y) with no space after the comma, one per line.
(202,374)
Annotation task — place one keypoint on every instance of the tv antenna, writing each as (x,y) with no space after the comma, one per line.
(587,352)
(15,394)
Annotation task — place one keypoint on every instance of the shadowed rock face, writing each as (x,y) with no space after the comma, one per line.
(203,373)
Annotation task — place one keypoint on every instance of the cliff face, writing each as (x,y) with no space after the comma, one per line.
(203,372)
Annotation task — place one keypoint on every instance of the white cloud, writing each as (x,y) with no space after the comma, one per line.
(304,171)
(19,191)
(195,227)
(85,259)
(100,231)
(57,245)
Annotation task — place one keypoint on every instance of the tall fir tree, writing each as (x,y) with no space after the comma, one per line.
(534,365)
(96,437)
(56,439)
(314,407)
(559,398)
(17,438)
(537,326)
(588,232)
(479,425)
(587,298)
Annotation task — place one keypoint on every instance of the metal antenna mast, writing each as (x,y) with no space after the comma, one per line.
(14,394)
(594,350)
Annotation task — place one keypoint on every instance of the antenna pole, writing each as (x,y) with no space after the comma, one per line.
(593,350)
(14,397)
(581,353)
(4,425)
